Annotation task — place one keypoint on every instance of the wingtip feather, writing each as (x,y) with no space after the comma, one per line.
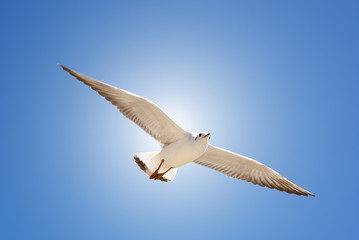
(63,67)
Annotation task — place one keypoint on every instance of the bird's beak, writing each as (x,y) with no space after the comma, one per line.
(207,135)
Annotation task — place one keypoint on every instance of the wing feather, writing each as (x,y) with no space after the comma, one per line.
(240,167)
(141,111)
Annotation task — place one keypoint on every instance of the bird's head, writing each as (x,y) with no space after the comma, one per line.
(202,137)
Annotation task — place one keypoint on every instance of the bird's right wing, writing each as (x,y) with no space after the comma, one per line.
(240,167)
(143,112)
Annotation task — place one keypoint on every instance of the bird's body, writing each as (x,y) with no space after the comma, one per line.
(175,155)
(184,151)
(180,147)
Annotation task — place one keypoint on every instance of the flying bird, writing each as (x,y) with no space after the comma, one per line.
(180,147)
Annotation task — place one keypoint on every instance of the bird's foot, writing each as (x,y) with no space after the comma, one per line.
(155,175)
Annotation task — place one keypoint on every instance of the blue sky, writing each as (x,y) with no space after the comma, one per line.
(276,81)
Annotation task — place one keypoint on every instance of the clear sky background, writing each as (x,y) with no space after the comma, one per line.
(276,81)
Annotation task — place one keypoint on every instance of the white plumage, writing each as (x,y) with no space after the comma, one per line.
(180,147)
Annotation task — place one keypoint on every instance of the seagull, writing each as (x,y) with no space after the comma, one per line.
(180,147)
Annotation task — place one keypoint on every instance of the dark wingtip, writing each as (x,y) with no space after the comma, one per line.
(63,67)
(71,72)
(307,194)
(313,195)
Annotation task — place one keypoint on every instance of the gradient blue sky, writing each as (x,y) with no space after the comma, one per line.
(272,80)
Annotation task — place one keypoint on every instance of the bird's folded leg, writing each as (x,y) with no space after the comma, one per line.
(155,175)
(159,175)
(156,172)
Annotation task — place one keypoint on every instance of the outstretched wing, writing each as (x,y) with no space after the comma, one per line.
(143,112)
(247,169)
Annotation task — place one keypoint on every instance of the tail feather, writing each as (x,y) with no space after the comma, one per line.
(149,162)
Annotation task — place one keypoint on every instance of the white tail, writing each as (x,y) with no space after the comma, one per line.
(149,162)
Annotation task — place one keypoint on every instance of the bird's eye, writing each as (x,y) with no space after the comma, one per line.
(200,135)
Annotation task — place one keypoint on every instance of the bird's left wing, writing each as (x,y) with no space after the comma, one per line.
(240,167)
(143,112)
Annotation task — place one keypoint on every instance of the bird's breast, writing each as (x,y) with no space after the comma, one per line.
(182,152)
